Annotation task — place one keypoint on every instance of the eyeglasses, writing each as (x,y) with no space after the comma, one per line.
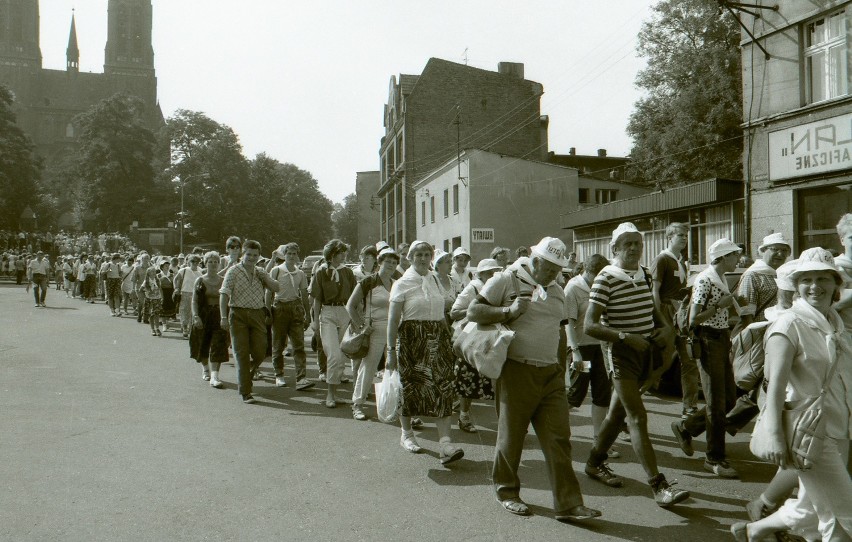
(234,246)
(779,250)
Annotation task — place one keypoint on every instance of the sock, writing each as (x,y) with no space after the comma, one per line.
(766,503)
(464,415)
(407,434)
(214,375)
(444,441)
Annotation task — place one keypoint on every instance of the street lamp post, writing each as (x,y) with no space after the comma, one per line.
(182,211)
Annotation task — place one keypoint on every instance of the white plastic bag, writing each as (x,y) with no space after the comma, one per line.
(389,397)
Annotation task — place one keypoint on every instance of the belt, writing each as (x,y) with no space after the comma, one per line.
(534,363)
(289,301)
(712,332)
(336,304)
(249,308)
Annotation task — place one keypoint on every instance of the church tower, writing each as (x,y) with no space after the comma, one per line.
(72,53)
(19,33)
(129,50)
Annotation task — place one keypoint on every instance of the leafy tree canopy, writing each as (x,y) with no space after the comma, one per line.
(686,128)
(345,221)
(20,168)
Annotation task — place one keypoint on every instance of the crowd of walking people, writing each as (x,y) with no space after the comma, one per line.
(611,324)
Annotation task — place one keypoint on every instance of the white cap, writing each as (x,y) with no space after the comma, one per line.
(721,248)
(416,244)
(461,251)
(552,250)
(816,259)
(381,245)
(774,239)
(438,256)
(488,264)
(782,276)
(624,227)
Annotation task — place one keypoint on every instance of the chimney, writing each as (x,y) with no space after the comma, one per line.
(572,151)
(514,69)
(602,153)
(544,122)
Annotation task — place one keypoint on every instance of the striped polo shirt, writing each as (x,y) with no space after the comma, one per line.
(628,305)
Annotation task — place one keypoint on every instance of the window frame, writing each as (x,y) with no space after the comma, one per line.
(811,51)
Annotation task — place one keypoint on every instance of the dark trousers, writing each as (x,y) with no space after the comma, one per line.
(40,286)
(248,339)
(720,392)
(288,321)
(534,394)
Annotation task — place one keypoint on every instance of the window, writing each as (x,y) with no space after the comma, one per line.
(455,199)
(446,245)
(446,203)
(399,198)
(456,243)
(605,195)
(432,208)
(584,195)
(423,212)
(827,73)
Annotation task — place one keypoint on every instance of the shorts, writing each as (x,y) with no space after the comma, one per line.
(627,364)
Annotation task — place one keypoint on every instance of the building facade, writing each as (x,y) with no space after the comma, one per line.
(430,117)
(46,100)
(485,199)
(369,210)
(797,110)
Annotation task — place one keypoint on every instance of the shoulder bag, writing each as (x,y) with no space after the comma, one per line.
(356,344)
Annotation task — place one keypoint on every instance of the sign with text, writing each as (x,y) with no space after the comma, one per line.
(808,149)
(482,235)
(156,239)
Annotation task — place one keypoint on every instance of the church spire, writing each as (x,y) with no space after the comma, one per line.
(72,53)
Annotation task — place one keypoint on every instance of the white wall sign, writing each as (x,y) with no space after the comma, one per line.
(807,149)
(482,235)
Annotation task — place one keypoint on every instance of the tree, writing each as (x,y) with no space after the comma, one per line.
(345,221)
(20,168)
(687,127)
(114,163)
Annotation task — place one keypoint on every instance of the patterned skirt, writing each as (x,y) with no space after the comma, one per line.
(469,383)
(209,341)
(113,286)
(426,361)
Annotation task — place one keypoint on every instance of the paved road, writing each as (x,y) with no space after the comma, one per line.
(107,433)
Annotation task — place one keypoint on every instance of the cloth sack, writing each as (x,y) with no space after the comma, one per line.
(748,355)
(485,346)
(389,397)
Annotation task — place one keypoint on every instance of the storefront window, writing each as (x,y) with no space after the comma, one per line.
(819,210)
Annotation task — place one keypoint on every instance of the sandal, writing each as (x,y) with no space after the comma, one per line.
(449,454)
(578,513)
(517,507)
(467,426)
(330,403)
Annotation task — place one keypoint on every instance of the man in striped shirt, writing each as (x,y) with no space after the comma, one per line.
(622,314)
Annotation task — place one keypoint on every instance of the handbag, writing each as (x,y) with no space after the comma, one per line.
(486,346)
(356,344)
(804,429)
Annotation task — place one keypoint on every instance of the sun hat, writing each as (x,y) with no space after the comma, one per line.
(438,256)
(488,264)
(774,239)
(385,251)
(782,276)
(623,228)
(552,250)
(381,245)
(416,244)
(461,251)
(815,259)
(720,248)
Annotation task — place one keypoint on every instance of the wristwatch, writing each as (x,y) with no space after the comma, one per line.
(621,336)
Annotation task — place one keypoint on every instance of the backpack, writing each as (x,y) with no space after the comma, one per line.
(748,355)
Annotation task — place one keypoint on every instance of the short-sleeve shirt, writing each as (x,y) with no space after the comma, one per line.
(537,330)
(704,293)
(666,271)
(467,295)
(293,283)
(329,291)
(245,291)
(576,305)
(420,296)
(39,267)
(377,298)
(759,289)
(628,305)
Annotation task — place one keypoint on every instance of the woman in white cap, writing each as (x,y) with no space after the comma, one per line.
(807,348)
(441,264)
(468,382)
(368,309)
(420,345)
(460,274)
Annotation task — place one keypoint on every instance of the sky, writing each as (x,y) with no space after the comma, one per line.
(306,82)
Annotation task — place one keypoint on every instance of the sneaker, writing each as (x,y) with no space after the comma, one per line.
(216,383)
(280,382)
(322,377)
(304,384)
(358,414)
(757,510)
(345,379)
(257,375)
(665,494)
(410,444)
(721,469)
(613,454)
(37,306)
(684,439)
(205,374)
(450,453)
(624,436)
(687,412)
(248,399)
(602,473)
